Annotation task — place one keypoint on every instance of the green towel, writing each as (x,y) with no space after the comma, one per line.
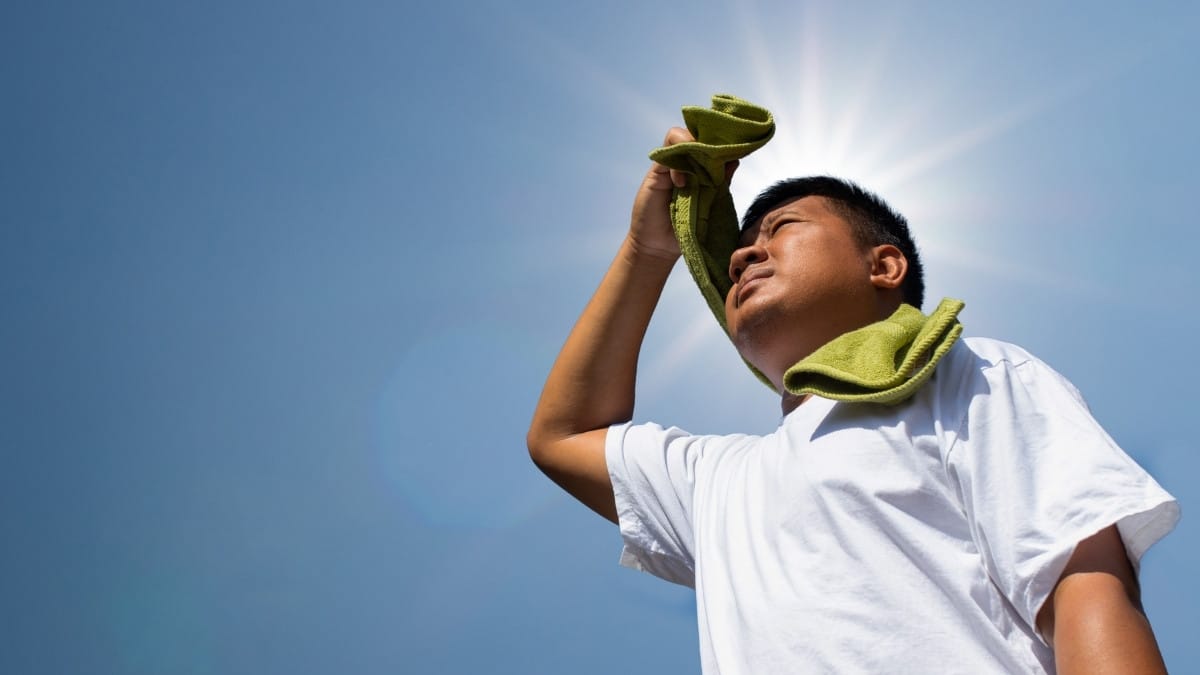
(702,213)
(885,362)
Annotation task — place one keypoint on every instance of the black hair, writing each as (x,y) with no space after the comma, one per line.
(872,221)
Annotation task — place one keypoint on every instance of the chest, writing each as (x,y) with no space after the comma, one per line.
(839,478)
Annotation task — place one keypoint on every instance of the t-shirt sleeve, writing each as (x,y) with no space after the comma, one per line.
(1037,475)
(653,472)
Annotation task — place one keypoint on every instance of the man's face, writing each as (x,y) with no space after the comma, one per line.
(800,280)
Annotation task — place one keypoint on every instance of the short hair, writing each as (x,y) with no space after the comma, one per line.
(872,221)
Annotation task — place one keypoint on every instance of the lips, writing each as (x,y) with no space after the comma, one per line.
(750,279)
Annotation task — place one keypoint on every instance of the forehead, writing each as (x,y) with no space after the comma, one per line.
(812,207)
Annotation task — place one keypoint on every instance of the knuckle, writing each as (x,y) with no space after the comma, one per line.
(677,135)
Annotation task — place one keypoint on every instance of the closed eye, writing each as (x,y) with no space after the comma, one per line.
(779,225)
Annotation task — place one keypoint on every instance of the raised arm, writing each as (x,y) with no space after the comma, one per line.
(591,384)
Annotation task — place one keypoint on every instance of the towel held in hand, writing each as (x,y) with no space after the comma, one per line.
(884,362)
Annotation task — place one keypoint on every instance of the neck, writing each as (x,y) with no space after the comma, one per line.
(791,401)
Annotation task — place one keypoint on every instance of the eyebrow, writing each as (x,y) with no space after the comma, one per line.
(769,220)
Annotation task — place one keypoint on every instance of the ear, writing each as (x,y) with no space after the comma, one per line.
(888,267)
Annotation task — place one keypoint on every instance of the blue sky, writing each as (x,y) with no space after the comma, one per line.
(280,283)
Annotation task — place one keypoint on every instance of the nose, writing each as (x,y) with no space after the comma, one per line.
(743,258)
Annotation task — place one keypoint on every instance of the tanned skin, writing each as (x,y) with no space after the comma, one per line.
(591,385)
(1093,619)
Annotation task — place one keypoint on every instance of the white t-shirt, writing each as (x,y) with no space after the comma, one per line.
(918,538)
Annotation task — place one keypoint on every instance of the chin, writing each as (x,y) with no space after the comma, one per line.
(770,348)
(753,346)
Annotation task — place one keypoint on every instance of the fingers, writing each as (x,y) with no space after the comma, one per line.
(677,135)
(679,178)
(660,177)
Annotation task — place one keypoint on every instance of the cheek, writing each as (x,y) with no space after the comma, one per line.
(730,311)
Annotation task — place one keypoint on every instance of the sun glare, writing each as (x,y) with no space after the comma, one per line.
(847,117)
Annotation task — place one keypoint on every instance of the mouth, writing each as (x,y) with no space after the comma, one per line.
(747,283)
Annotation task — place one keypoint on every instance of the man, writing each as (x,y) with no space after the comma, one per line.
(986,524)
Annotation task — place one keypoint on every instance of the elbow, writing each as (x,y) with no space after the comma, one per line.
(533,443)
(538,441)
(545,435)
(547,446)
(541,434)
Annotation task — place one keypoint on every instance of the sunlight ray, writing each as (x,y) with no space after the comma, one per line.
(1006,269)
(846,131)
(830,122)
(844,153)
(589,80)
(761,63)
(959,143)
(683,350)
(813,72)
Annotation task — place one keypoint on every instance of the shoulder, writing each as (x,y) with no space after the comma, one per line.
(987,381)
(648,445)
(987,359)
(989,353)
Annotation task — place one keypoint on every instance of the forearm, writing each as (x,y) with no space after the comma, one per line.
(591,384)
